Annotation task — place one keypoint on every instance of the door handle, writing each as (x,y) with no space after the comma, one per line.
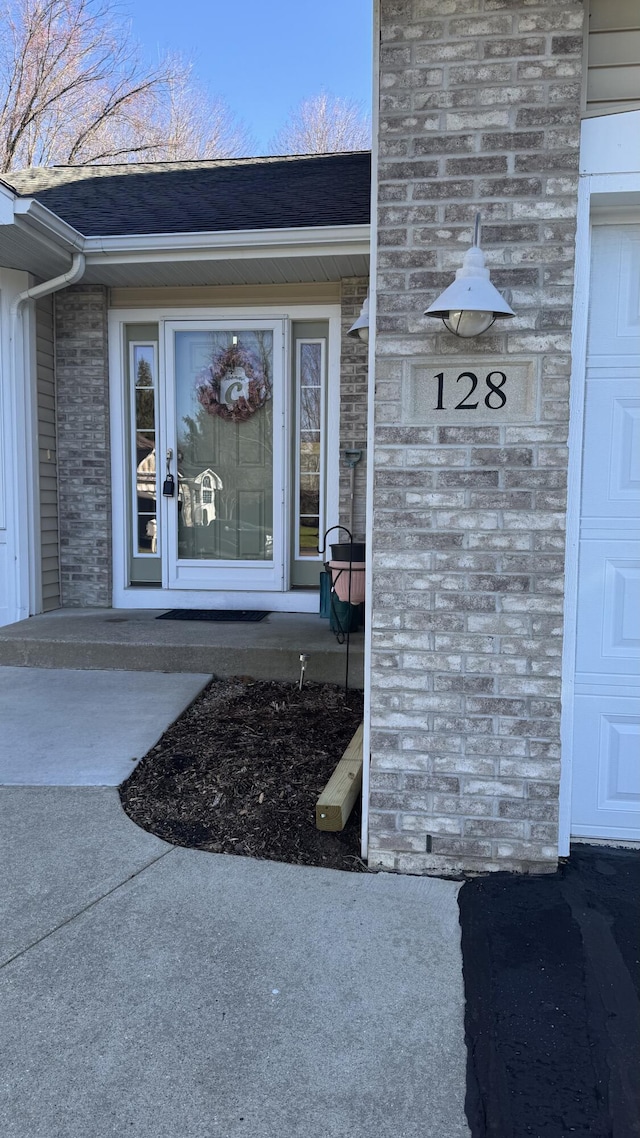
(169,485)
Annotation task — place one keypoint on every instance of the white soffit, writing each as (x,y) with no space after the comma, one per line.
(220,271)
(26,251)
(34,239)
(234,258)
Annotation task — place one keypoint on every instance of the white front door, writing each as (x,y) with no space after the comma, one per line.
(606,745)
(224,452)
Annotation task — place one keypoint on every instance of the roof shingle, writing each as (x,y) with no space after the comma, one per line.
(201,197)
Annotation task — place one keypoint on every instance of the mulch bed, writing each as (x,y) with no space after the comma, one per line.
(241,769)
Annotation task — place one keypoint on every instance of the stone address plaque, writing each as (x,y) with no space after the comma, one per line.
(453,392)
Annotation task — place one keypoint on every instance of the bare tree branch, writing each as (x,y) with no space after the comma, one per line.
(73,89)
(324,124)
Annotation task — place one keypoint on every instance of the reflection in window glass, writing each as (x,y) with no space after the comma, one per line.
(309,467)
(143,403)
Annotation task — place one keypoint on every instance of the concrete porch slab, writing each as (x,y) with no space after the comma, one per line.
(84,728)
(133,640)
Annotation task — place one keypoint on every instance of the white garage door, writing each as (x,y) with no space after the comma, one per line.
(606,750)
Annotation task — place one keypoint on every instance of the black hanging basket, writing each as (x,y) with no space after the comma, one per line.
(349,551)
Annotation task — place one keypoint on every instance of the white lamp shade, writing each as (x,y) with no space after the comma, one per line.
(471,291)
(361,326)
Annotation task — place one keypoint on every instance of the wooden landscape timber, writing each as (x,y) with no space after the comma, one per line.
(339,795)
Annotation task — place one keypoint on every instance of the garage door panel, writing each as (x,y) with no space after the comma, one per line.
(609,590)
(612,433)
(614,326)
(608,727)
(621,625)
(624,482)
(619,768)
(628,310)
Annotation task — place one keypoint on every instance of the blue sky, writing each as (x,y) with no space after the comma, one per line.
(264,56)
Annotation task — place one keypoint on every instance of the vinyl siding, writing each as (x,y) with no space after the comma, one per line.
(226,296)
(613,76)
(47,450)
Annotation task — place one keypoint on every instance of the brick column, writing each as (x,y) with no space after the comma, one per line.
(479,109)
(353,403)
(84,470)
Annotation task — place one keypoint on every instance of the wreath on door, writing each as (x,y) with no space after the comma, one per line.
(234,385)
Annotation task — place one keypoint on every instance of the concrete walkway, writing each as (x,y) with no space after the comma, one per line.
(170,993)
(64,727)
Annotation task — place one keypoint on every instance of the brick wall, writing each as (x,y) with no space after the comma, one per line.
(84,473)
(353,404)
(479,109)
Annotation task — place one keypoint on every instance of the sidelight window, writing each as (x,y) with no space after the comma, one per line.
(144,429)
(310,446)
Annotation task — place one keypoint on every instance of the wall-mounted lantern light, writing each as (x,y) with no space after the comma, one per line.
(361,326)
(471,304)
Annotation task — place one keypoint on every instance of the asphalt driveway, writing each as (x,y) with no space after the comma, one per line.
(552,981)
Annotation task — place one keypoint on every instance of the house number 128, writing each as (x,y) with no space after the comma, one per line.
(495,396)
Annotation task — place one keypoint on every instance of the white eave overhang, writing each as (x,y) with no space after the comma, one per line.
(35,239)
(259,256)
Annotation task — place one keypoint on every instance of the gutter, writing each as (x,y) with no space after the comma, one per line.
(320,241)
(46,223)
(129,248)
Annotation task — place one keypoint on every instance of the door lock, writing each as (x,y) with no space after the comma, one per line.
(169,485)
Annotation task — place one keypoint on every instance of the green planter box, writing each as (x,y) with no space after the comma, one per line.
(343,616)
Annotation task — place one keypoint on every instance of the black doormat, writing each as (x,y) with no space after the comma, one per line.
(228,616)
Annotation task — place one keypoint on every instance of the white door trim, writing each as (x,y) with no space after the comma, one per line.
(125,596)
(605,189)
(574,487)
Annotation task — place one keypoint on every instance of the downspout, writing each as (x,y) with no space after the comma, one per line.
(47,287)
(23,415)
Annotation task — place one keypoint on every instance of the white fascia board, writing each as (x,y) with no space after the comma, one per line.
(322,241)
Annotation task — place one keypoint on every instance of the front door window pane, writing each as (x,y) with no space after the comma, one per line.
(225,445)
